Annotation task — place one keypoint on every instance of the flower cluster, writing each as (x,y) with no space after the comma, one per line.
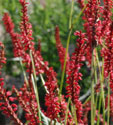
(7,104)
(26,28)
(92,26)
(27,101)
(73,88)
(107,51)
(61,50)
(9,26)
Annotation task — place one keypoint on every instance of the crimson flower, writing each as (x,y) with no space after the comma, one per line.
(61,50)
(73,75)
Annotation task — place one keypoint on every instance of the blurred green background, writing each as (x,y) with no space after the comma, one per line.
(44,15)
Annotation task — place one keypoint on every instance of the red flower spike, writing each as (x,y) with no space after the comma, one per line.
(17,45)
(107,54)
(93,27)
(8,23)
(51,99)
(73,88)
(61,50)
(26,28)
(6,108)
(27,100)
(4,104)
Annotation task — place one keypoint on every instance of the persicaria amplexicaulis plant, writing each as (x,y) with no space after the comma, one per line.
(94,47)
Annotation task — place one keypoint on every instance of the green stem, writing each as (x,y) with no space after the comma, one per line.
(70,20)
(108,113)
(102,90)
(63,72)
(67,111)
(96,105)
(43,82)
(33,66)
(33,77)
(101,75)
(96,77)
(92,90)
(37,96)
(98,120)
(73,110)
(92,103)
(76,20)
(25,76)
(67,46)
(89,98)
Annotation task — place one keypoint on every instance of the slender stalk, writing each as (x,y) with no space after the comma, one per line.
(33,65)
(101,75)
(96,100)
(37,96)
(76,20)
(35,86)
(69,100)
(43,82)
(89,98)
(96,77)
(92,103)
(67,46)
(95,70)
(108,108)
(97,59)
(92,90)
(102,90)
(71,13)
(25,76)
(73,109)
(63,72)
(100,101)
